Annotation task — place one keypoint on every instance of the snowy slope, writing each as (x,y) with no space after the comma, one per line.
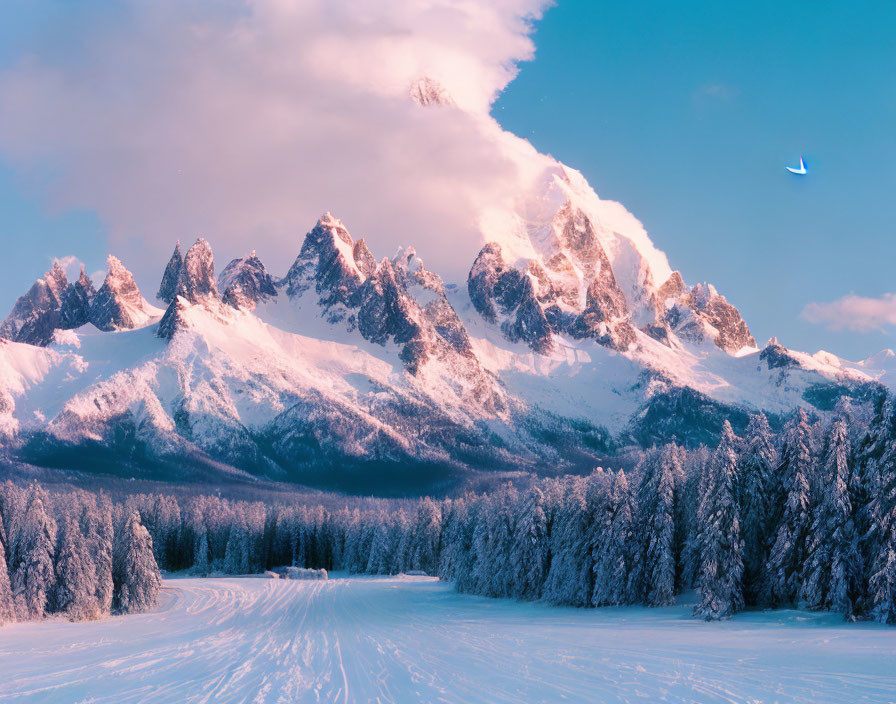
(350,372)
(411,639)
(571,338)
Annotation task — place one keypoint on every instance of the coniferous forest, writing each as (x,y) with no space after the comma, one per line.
(802,517)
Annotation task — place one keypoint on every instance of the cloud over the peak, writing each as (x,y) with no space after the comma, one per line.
(856,313)
(243,120)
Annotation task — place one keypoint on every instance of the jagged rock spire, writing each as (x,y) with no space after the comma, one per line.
(197,274)
(173,320)
(36,315)
(168,287)
(118,305)
(245,283)
(76,301)
(56,280)
(327,262)
(195,284)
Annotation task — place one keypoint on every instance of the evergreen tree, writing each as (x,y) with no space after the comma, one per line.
(529,554)
(672,456)
(7,607)
(697,461)
(76,589)
(654,576)
(236,553)
(461,560)
(485,539)
(34,575)
(136,574)
(719,537)
(866,482)
(13,501)
(831,573)
(613,551)
(882,584)
(381,546)
(569,577)
(456,522)
(756,462)
(426,535)
(784,565)
(401,559)
(96,528)
(200,553)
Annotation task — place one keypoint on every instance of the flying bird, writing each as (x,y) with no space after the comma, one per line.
(802,171)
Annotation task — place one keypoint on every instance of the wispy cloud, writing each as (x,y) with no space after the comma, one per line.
(244,120)
(856,313)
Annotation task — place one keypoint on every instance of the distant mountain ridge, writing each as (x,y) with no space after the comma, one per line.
(571,339)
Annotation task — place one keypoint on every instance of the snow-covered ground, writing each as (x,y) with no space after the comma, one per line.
(411,639)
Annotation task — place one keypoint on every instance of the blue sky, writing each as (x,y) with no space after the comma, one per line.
(687,113)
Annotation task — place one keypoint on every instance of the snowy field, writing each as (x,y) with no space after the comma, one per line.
(414,640)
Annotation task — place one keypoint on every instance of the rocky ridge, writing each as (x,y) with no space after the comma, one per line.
(53,303)
(348,363)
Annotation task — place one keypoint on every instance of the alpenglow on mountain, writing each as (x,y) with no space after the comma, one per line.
(570,340)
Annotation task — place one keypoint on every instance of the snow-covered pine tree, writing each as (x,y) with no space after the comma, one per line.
(882,584)
(654,576)
(401,558)
(461,555)
(298,537)
(719,581)
(832,570)
(756,462)
(76,589)
(4,541)
(865,486)
(427,532)
(96,528)
(200,554)
(612,554)
(569,579)
(34,576)
(380,558)
(696,462)
(353,537)
(367,529)
(487,544)
(7,607)
(785,561)
(529,554)
(454,522)
(136,574)
(236,553)
(13,500)
(672,455)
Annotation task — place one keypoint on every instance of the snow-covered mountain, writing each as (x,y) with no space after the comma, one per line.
(571,338)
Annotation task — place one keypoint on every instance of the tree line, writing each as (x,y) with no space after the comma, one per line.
(74,554)
(802,517)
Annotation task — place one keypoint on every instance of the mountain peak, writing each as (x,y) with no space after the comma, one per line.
(330,262)
(330,220)
(118,305)
(196,281)
(76,300)
(35,315)
(245,282)
(56,279)
(168,286)
(427,92)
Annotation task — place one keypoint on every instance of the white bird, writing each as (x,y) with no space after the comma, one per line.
(802,171)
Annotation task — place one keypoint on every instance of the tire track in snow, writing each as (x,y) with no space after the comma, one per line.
(414,640)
